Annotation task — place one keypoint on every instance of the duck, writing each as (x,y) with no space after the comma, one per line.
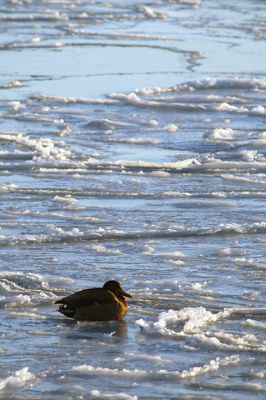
(96,304)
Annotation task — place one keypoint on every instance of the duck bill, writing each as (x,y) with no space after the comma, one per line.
(125,293)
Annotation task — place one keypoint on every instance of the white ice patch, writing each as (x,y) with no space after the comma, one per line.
(135,99)
(174,254)
(73,100)
(225,136)
(235,83)
(17,105)
(36,40)
(245,341)
(171,128)
(160,174)
(89,369)
(44,148)
(176,262)
(221,134)
(99,248)
(213,365)
(148,357)
(106,124)
(61,281)
(21,281)
(35,297)
(21,379)
(21,300)
(65,199)
(193,3)
(260,141)
(248,262)
(229,251)
(255,324)
(179,165)
(225,107)
(193,320)
(11,187)
(196,322)
(210,83)
(259,110)
(112,396)
(27,315)
(131,98)
(70,203)
(247,179)
(152,14)
(199,287)
(74,232)
(25,290)
(148,250)
(11,85)
(251,155)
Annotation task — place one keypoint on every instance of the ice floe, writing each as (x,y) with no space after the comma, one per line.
(18,381)
(213,365)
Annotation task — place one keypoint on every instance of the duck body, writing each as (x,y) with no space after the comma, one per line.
(97,304)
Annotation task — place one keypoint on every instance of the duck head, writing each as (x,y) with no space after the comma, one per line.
(115,287)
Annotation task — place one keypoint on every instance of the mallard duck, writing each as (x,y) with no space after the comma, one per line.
(96,304)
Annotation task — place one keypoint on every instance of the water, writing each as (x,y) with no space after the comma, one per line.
(133,148)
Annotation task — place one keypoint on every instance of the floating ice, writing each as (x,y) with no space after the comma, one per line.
(213,365)
(11,85)
(174,254)
(21,379)
(234,83)
(259,110)
(176,262)
(211,83)
(89,369)
(25,290)
(244,342)
(17,105)
(193,319)
(222,134)
(20,300)
(179,165)
(27,315)
(119,396)
(255,324)
(22,281)
(171,128)
(194,3)
(104,250)
(160,174)
(148,357)
(8,188)
(230,108)
(153,14)
(44,148)
(247,179)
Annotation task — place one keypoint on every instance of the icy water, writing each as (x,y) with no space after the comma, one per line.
(133,148)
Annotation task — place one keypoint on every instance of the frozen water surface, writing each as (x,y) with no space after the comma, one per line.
(132,147)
